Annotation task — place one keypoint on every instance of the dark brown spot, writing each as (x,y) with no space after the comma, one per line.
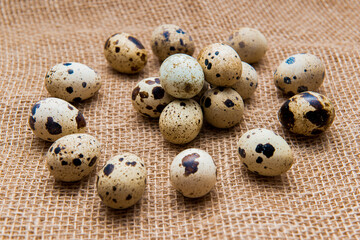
(135,92)
(318,117)
(302,89)
(76,162)
(53,127)
(188,87)
(228,103)
(144,94)
(114,188)
(128,197)
(158,92)
(93,161)
(80,120)
(63,163)
(241,44)
(114,200)
(286,117)
(259,160)
(149,107)
(136,42)
(160,107)
(121,159)
(242,152)
(266,149)
(131,163)
(150,82)
(207,102)
(32,122)
(117,49)
(70,107)
(182,104)
(108,169)
(313,100)
(191,166)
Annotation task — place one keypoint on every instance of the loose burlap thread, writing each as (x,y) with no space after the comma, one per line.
(317,198)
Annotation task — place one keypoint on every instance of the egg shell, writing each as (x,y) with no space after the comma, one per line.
(53,118)
(122,181)
(193,173)
(222,107)
(125,53)
(181,121)
(249,43)
(299,73)
(264,152)
(307,113)
(247,83)
(73,157)
(181,76)
(149,98)
(72,81)
(169,39)
(221,64)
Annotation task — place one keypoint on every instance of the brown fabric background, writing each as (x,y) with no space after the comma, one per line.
(318,197)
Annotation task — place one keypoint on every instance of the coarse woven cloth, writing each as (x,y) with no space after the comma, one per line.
(317,198)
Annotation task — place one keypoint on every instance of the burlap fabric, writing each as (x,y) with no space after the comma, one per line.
(317,198)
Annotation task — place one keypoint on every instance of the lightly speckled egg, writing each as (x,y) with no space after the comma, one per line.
(307,113)
(181,76)
(53,118)
(169,39)
(73,157)
(122,181)
(221,64)
(299,73)
(72,81)
(181,121)
(125,53)
(249,43)
(149,98)
(248,81)
(264,152)
(193,173)
(222,107)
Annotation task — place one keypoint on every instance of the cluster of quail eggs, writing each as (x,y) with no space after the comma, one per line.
(187,92)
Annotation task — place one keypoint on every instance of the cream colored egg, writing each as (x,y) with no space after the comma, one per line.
(248,82)
(53,118)
(125,53)
(264,152)
(222,107)
(193,173)
(307,113)
(221,64)
(122,181)
(72,81)
(169,39)
(181,121)
(249,43)
(73,157)
(299,73)
(149,98)
(181,76)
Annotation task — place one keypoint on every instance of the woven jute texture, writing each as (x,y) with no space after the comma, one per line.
(317,198)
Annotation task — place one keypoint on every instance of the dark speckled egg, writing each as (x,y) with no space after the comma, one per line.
(307,113)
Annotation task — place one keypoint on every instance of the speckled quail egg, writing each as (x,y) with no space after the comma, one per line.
(299,73)
(72,81)
(193,173)
(264,152)
(122,181)
(149,98)
(307,113)
(249,43)
(221,64)
(125,53)
(181,121)
(169,39)
(53,118)
(73,157)
(181,76)
(222,107)
(248,82)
